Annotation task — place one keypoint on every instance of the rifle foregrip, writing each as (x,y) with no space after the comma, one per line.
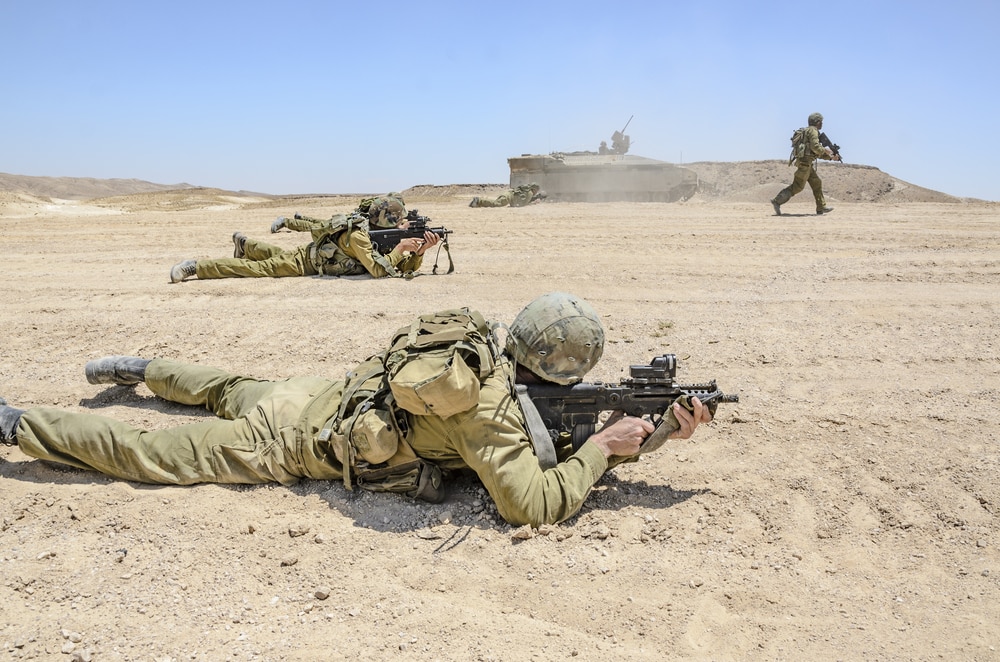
(659,435)
(668,423)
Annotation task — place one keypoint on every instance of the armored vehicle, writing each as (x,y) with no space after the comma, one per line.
(603,177)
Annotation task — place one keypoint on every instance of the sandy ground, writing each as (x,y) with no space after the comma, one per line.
(846,509)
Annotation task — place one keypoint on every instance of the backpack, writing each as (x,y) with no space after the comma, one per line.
(435,364)
(433,367)
(798,145)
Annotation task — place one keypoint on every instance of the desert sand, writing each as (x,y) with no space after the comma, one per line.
(845,509)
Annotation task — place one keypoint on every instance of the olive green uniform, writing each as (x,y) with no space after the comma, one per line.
(263,433)
(805,171)
(269,431)
(384,211)
(353,255)
(304,224)
(518,197)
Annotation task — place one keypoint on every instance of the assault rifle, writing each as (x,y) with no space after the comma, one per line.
(384,240)
(826,142)
(650,390)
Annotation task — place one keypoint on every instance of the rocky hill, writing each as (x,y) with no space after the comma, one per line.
(80,188)
(719,181)
(758,181)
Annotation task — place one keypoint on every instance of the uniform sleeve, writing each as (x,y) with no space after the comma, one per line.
(358,245)
(410,262)
(493,443)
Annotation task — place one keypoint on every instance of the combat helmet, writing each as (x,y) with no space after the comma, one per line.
(558,337)
(815,119)
(386,211)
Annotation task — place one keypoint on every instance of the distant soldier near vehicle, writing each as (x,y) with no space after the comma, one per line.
(620,143)
(518,197)
(808,144)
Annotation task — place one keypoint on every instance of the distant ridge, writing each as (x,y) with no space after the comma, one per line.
(718,181)
(758,181)
(81,188)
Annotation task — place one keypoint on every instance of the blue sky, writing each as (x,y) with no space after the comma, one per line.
(353,97)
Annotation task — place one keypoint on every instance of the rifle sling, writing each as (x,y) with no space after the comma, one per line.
(447,249)
(539,435)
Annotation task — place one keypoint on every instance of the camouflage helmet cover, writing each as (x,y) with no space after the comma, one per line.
(815,119)
(558,337)
(386,211)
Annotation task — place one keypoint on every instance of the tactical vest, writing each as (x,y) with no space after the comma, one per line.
(328,259)
(433,367)
(521,196)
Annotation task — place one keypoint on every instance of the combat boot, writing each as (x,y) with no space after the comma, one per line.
(824,210)
(239,245)
(183,270)
(123,370)
(278,224)
(9,419)
(777,207)
(474,202)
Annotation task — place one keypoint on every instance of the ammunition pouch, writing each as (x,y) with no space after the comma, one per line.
(417,479)
(368,437)
(329,260)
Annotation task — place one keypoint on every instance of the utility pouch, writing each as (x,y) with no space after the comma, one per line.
(416,479)
(435,365)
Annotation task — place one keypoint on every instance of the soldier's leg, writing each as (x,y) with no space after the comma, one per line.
(800,178)
(816,184)
(10,419)
(259,445)
(798,183)
(784,195)
(223,393)
(286,263)
(247,450)
(303,223)
(256,250)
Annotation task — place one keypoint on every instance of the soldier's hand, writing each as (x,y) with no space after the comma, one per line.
(622,435)
(431,239)
(409,245)
(689,420)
